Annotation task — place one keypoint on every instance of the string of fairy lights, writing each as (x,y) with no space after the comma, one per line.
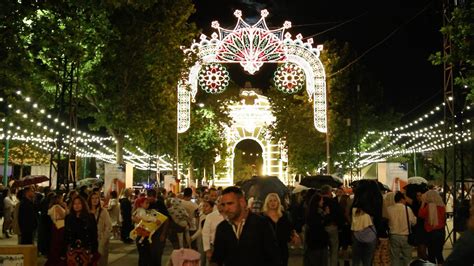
(401,140)
(412,137)
(47,129)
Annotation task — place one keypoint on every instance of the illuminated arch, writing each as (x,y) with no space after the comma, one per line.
(251,46)
(251,117)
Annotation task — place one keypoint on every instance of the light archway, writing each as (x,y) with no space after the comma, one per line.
(251,46)
(251,117)
(250,151)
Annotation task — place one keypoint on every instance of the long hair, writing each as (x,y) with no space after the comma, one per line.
(267,201)
(89,200)
(85,209)
(433,199)
(313,209)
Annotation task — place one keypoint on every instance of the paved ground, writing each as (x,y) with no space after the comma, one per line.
(126,254)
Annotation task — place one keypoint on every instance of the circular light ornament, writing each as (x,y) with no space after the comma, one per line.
(213,78)
(289,78)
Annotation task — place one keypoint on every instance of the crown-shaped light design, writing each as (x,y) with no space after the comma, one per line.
(250,45)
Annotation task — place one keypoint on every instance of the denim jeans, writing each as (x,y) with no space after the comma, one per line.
(333,244)
(363,253)
(400,250)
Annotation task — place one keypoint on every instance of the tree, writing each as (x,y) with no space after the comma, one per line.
(133,88)
(294,115)
(460,30)
(15,68)
(205,140)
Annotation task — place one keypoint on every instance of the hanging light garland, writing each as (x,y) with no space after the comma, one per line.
(83,139)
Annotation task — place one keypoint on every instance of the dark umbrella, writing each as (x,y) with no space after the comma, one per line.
(260,186)
(29,180)
(317,181)
(381,185)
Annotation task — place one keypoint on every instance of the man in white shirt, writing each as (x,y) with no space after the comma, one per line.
(399,215)
(192,210)
(209,229)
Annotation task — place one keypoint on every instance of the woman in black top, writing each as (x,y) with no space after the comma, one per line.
(284,231)
(316,238)
(81,234)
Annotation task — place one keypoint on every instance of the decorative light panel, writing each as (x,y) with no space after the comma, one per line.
(213,78)
(252,45)
(289,78)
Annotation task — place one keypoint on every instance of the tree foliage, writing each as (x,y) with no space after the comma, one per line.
(460,30)
(351,114)
(205,139)
(133,87)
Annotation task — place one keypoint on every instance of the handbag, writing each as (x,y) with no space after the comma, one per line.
(366,235)
(411,235)
(78,256)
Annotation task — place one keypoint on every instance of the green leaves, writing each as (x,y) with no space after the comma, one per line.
(460,30)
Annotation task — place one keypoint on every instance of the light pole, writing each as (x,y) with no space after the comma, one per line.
(328,146)
(3,99)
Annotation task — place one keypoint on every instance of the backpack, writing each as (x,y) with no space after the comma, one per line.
(15,222)
(179,215)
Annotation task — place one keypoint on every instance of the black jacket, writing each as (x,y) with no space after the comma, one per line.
(257,244)
(126,210)
(316,236)
(83,229)
(283,229)
(27,217)
(336,214)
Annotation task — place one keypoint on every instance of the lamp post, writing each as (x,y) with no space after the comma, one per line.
(6,136)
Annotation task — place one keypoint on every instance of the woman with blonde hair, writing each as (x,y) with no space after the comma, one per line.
(433,211)
(273,211)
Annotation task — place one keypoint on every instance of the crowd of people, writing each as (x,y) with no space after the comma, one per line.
(226,228)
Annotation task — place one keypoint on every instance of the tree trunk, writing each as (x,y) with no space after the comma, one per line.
(119,148)
(191,173)
(21,170)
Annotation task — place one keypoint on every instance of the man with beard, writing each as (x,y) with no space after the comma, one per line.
(244,238)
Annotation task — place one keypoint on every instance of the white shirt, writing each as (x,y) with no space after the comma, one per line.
(360,220)
(213,219)
(397,219)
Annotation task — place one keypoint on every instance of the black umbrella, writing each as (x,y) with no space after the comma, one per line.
(317,181)
(260,186)
(382,186)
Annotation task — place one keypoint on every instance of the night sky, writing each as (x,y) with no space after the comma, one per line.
(400,64)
